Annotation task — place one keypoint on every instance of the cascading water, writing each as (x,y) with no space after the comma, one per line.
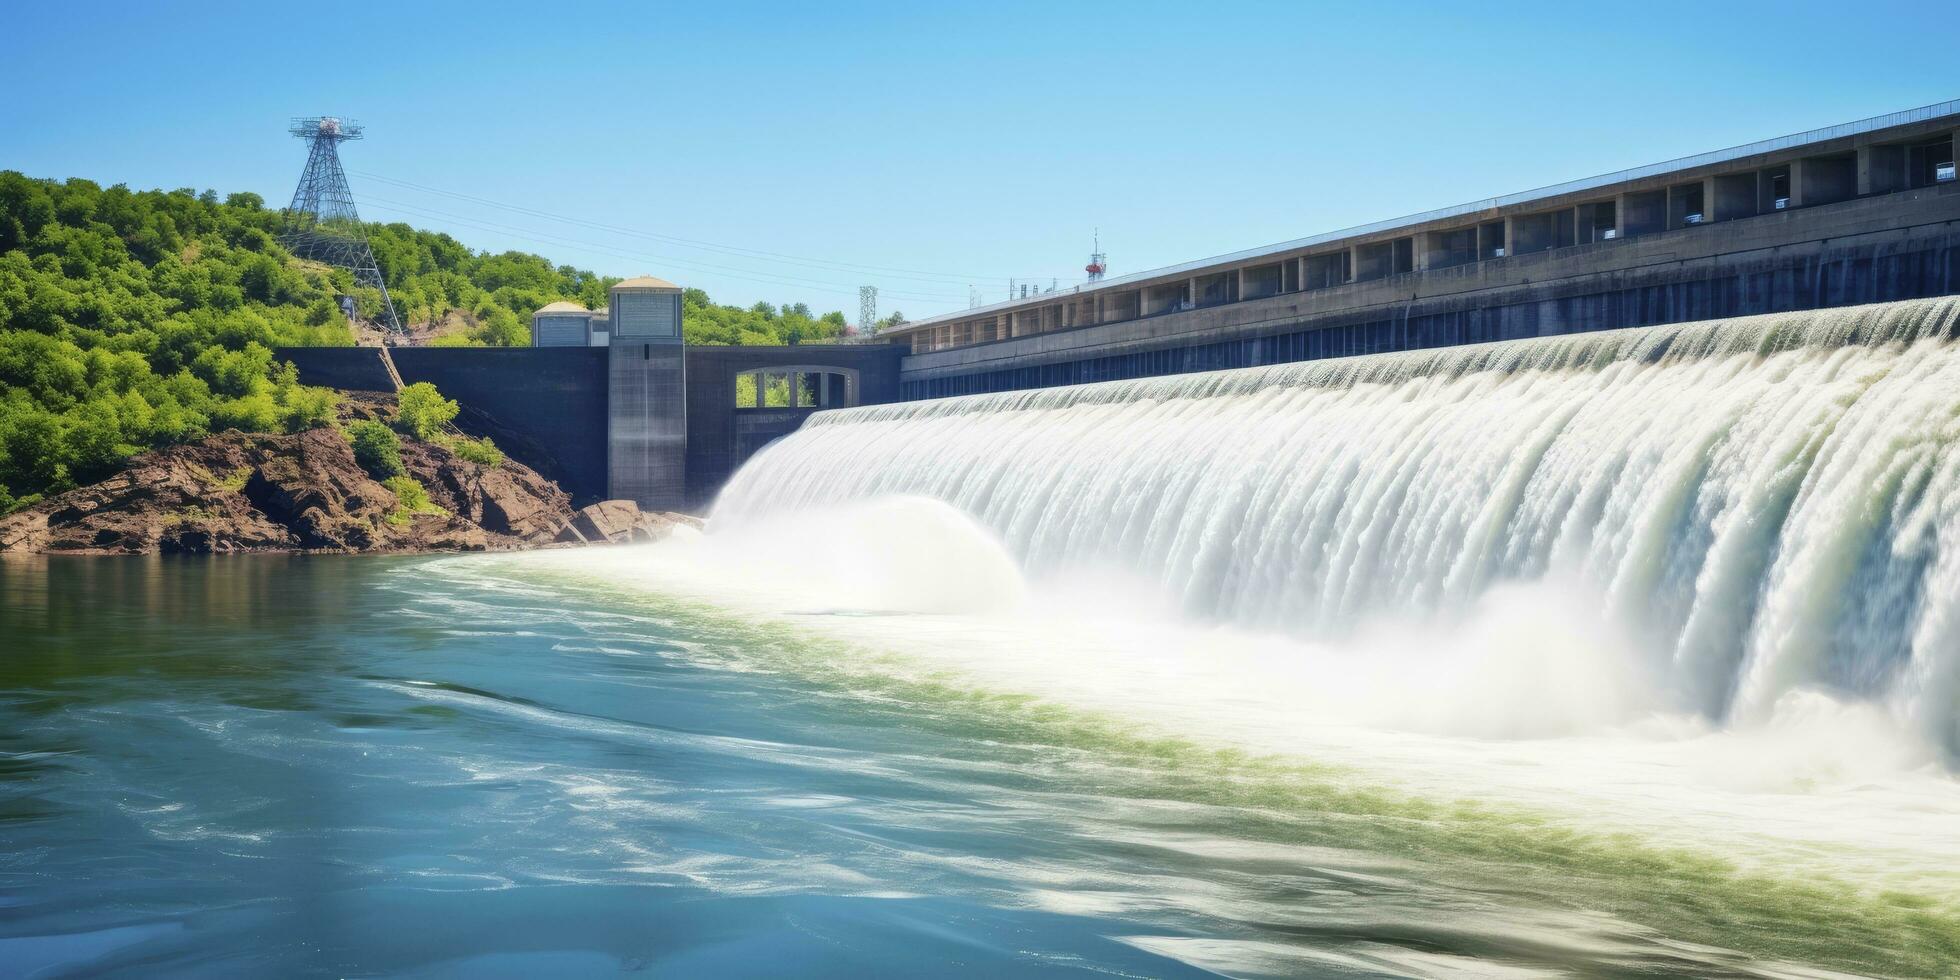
(1773,501)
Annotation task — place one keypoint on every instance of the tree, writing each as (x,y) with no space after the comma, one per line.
(134,319)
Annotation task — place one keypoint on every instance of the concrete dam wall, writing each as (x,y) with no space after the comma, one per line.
(1873,250)
(551,407)
(1860,212)
(546,407)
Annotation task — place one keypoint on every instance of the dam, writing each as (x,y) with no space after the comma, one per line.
(1596,652)
(1859,212)
(617,405)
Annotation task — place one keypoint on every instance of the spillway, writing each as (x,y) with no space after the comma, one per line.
(1771,503)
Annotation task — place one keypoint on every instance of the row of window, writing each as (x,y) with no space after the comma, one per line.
(1826,179)
(1836,283)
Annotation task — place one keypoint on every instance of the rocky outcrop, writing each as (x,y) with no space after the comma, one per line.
(511,500)
(622,522)
(310,485)
(243,492)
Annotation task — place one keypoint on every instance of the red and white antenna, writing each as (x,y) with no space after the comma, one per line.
(1098,261)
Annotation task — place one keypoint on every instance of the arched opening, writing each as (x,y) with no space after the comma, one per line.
(796,386)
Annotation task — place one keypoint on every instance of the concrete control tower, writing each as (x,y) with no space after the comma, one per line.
(646,444)
(563,324)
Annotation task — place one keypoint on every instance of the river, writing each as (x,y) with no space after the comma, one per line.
(1600,656)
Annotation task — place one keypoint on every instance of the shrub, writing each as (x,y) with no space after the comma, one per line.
(423,411)
(310,408)
(412,494)
(376,448)
(482,452)
(414,499)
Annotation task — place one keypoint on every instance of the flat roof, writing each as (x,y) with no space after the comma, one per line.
(1870,125)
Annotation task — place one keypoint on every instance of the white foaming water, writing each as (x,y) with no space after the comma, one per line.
(1527,697)
(1769,503)
(1697,582)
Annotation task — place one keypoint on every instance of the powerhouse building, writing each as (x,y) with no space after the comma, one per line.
(1858,212)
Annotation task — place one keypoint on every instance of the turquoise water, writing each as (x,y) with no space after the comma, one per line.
(451,767)
(344,767)
(1625,654)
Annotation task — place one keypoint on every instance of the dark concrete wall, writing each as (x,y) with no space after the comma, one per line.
(548,407)
(545,407)
(715,446)
(646,424)
(758,427)
(346,368)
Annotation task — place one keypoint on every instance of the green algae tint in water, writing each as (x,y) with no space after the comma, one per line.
(469,767)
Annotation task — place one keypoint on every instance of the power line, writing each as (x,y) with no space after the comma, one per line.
(636,256)
(536,236)
(734,250)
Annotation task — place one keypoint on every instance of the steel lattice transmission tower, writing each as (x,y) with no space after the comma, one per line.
(867,310)
(321,224)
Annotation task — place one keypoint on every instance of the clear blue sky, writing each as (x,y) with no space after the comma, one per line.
(966,145)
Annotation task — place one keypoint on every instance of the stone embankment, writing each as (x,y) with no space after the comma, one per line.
(622,522)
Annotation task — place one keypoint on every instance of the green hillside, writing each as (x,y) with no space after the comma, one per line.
(136,319)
